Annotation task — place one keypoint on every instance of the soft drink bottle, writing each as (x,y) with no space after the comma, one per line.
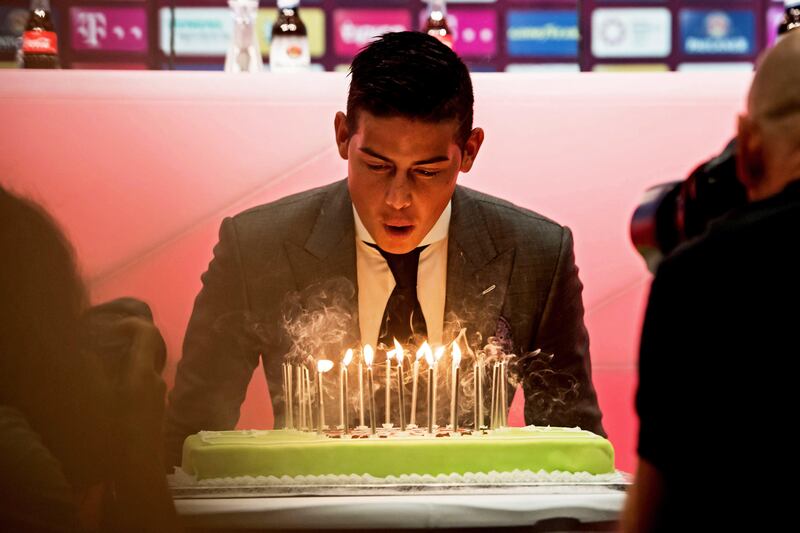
(39,40)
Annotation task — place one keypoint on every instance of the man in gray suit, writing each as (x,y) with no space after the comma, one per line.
(421,256)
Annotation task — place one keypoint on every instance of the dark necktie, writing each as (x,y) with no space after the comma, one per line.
(403,315)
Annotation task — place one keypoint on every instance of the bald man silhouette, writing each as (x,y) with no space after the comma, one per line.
(721,340)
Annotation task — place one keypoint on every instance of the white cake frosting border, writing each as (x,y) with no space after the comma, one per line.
(181,479)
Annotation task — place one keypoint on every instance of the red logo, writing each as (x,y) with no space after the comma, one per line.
(39,42)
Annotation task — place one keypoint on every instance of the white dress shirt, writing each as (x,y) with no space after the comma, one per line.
(376,282)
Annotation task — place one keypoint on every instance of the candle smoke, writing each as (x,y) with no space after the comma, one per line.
(321,322)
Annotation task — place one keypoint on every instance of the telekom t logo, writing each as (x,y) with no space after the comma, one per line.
(92,27)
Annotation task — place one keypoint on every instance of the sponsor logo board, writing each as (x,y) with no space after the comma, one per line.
(12,24)
(717,32)
(631,67)
(550,33)
(113,29)
(631,32)
(354,28)
(199,31)
(543,67)
(733,66)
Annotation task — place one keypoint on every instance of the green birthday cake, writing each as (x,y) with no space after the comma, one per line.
(286,456)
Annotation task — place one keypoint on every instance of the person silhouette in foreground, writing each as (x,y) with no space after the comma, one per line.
(81,396)
(719,350)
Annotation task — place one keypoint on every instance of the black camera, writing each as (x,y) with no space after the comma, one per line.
(675,212)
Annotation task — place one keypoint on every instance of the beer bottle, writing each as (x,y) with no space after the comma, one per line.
(791,17)
(288,49)
(39,40)
(436,25)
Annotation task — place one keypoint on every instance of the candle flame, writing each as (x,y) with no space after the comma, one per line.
(429,358)
(456,355)
(348,356)
(323,365)
(399,353)
(424,350)
(439,353)
(369,354)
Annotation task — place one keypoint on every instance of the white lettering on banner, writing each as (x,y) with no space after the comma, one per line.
(40,43)
(92,27)
(353,33)
(736,45)
(548,32)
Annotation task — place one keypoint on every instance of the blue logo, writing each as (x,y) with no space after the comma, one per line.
(717,32)
(542,33)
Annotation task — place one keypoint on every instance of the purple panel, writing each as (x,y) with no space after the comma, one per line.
(354,28)
(475,31)
(774,17)
(117,29)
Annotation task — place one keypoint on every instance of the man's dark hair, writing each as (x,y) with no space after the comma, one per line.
(413,75)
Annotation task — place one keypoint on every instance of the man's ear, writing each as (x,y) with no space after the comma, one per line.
(342,133)
(471,149)
(749,153)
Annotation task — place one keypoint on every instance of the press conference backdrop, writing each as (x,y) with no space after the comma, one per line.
(141,167)
(491,35)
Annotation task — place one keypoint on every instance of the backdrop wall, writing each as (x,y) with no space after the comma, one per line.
(140,168)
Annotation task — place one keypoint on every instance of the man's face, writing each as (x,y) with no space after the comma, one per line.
(402,173)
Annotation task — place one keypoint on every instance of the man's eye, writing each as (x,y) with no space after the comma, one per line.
(426,173)
(378,168)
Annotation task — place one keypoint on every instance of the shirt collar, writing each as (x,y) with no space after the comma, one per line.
(437,232)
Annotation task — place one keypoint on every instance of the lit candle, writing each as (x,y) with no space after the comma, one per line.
(399,354)
(503,393)
(455,385)
(431,363)
(323,365)
(285,397)
(307,397)
(369,354)
(301,404)
(493,412)
(437,356)
(480,395)
(290,394)
(360,395)
(343,414)
(388,393)
(475,397)
(424,349)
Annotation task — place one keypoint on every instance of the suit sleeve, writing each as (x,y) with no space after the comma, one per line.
(217,363)
(563,333)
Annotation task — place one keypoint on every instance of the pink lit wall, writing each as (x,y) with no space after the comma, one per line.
(140,168)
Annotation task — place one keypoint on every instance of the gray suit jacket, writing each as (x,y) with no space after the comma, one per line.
(288,245)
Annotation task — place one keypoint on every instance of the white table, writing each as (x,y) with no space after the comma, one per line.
(574,508)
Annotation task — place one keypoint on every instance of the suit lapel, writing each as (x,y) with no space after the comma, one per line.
(330,249)
(477,272)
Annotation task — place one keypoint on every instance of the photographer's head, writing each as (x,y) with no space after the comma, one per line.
(406,135)
(768,155)
(43,372)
